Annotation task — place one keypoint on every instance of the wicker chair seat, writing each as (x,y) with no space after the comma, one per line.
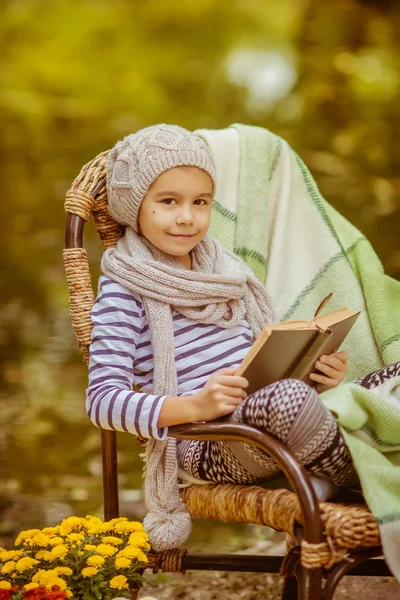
(347,526)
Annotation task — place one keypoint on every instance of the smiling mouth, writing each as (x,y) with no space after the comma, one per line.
(182,235)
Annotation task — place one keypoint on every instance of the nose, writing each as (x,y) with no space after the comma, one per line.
(185,216)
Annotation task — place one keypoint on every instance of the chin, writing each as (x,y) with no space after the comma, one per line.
(170,251)
(176,254)
(180,251)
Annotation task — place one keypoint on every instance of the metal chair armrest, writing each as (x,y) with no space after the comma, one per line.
(294,471)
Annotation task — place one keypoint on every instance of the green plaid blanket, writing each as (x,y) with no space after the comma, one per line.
(269,211)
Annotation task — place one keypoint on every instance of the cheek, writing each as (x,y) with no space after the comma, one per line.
(152,219)
(204,219)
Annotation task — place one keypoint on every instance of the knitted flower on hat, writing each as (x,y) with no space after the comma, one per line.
(136,162)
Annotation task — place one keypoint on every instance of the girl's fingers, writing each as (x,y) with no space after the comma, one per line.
(231,406)
(319,388)
(229,371)
(240,382)
(233,402)
(228,408)
(333,362)
(342,356)
(234,392)
(327,370)
(225,411)
(338,358)
(325,381)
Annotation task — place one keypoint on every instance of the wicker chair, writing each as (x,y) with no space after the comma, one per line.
(333,538)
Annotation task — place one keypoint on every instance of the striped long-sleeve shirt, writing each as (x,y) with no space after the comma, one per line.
(121,355)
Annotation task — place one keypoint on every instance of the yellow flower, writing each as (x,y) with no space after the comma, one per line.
(5,585)
(54,541)
(94,519)
(39,539)
(67,525)
(26,535)
(128,527)
(63,570)
(122,563)
(139,539)
(76,537)
(129,552)
(142,557)
(110,539)
(145,546)
(132,552)
(106,550)
(58,552)
(25,563)
(89,571)
(50,530)
(68,593)
(95,525)
(117,520)
(56,581)
(30,586)
(8,567)
(90,547)
(43,554)
(120,582)
(95,561)
(96,530)
(72,521)
(42,576)
(8,555)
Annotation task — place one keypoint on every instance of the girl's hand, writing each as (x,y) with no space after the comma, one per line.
(334,368)
(220,396)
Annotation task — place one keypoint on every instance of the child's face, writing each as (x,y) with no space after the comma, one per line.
(175,214)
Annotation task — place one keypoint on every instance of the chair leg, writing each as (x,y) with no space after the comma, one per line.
(310,584)
(137,586)
(344,567)
(135,591)
(290,589)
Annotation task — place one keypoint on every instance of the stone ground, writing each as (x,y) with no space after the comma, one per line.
(204,585)
(252,586)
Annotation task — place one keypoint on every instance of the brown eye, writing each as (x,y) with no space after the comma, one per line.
(168,201)
(200,200)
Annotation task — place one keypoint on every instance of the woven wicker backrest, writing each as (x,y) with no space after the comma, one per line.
(87,197)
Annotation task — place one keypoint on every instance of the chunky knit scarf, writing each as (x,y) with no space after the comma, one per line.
(220,290)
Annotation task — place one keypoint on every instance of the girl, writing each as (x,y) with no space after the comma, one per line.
(175,315)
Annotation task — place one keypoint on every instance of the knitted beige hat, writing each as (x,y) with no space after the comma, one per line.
(136,162)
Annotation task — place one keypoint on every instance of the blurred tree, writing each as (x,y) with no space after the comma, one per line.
(350,76)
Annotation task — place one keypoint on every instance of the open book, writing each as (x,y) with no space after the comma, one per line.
(290,348)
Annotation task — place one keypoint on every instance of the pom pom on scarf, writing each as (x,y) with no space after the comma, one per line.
(168,530)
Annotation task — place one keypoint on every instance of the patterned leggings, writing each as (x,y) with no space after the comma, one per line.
(291,411)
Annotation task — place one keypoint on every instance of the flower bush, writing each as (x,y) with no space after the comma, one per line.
(82,558)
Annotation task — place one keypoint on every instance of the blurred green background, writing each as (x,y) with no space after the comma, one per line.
(76,76)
